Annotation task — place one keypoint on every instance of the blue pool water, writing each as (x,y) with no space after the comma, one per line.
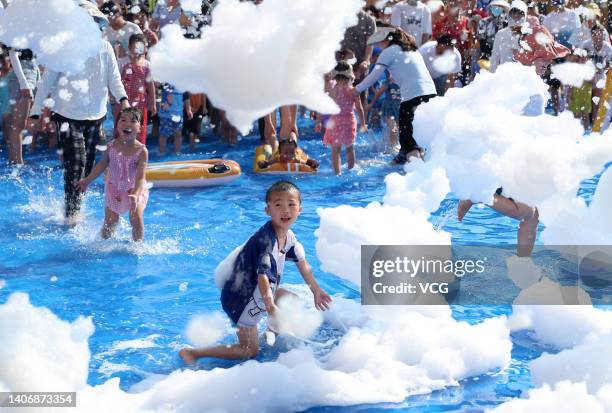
(149,291)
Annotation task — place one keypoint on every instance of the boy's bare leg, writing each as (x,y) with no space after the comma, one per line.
(281,292)
(178,141)
(162,144)
(247,347)
(528,226)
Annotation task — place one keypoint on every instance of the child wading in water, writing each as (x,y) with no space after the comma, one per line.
(125,189)
(251,290)
(342,128)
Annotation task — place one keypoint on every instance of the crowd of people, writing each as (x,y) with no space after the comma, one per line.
(397,56)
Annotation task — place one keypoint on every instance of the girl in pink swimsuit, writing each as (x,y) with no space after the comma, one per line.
(125,188)
(342,128)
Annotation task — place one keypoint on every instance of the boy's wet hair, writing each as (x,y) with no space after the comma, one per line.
(283,186)
(138,37)
(133,112)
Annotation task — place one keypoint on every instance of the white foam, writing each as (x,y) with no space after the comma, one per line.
(136,344)
(479,135)
(380,360)
(204,330)
(565,397)
(344,229)
(590,362)
(295,318)
(61,34)
(258,57)
(40,351)
(564,326)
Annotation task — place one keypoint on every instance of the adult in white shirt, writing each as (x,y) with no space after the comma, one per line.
(119,30)
(402,60)
(562,22)
(79,108)
(414,18)
(443,61)
(507,40)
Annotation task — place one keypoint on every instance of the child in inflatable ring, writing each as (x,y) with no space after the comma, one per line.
(288,151)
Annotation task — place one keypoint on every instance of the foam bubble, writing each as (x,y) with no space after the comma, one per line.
(61,34)
(256,61)
(204,330)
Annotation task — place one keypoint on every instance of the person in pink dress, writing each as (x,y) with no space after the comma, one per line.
(342,127)
(125,188)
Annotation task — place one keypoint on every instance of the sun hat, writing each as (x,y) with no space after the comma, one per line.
(594,8)
(500,3)
(93,11)
(519,5)
(380,35)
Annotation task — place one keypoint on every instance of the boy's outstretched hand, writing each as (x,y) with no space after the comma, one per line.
(322,300)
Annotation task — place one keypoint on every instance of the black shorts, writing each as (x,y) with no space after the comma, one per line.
(192,125)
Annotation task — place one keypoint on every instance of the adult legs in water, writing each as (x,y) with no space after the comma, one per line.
(336,161)
(350,156)
(527,216)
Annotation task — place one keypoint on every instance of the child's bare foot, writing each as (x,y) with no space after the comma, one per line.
(187,357)
(463,207)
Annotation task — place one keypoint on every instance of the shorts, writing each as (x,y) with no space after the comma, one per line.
(581,99)
(169,124)
(32,75)
(193,125)
(255,309)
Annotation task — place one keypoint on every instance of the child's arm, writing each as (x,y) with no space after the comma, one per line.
(377,94)
(187,105)
(322,300)
(140,178)
(98,169)
(151,97)
(361,114)
(263,283)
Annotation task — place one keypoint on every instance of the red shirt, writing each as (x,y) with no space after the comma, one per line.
(135,80)
(457,28)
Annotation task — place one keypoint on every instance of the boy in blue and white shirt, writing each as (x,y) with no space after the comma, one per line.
(251,290)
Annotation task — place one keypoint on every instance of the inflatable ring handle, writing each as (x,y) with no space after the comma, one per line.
(219,169)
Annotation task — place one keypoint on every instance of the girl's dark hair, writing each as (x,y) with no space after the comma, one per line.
(138,37)
(341,67)
(133,112)
(283,186)
(400,37)
(344,54)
